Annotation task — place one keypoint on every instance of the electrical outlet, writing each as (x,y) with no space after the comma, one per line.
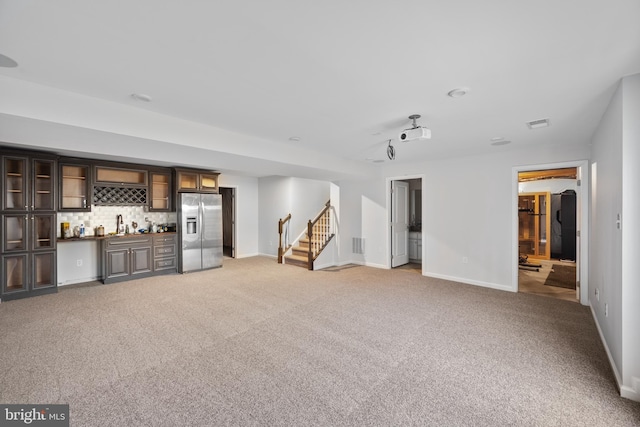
(79,263)
(606,310)
(465,260)
(597,294)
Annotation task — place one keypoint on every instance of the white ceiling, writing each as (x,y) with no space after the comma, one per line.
(341,75)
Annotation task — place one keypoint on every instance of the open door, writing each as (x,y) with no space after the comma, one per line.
(399,223)
(228,221)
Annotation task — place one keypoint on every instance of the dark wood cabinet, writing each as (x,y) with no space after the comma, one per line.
(28,224)
(138,255)
(196,180)
(120,176)
(125,257)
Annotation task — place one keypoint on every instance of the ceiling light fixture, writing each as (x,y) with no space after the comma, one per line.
(537,124)
(141,97)
(294,138)
(458,92)
(7,62)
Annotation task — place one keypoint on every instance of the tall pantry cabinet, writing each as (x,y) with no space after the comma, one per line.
(28,223)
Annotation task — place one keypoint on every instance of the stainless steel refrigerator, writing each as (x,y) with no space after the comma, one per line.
(200,230)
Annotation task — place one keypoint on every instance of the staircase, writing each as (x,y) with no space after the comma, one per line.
(309,247)
(299,254)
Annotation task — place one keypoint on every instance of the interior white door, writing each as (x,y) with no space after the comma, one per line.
(399,223)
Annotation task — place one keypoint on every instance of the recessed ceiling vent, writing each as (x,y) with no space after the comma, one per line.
(537,124)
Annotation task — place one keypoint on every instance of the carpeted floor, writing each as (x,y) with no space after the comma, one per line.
(258,343)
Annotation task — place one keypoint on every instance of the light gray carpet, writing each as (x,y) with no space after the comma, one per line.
(258,343)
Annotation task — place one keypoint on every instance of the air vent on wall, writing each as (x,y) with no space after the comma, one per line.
(536,124)
(357,245)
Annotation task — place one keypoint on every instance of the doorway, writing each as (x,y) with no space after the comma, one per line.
(228,221)
(547,233)
(405,214)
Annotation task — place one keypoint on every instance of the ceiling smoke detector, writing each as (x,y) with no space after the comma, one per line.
(537,124)
(458,92)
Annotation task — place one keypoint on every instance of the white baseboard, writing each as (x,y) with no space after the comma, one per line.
(267,255)
(614,368)
(366,264)
(249,255)
(470,282)
(76,281)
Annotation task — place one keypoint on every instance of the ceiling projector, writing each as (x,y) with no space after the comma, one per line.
(415,133)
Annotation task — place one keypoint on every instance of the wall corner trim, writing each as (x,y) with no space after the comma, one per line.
(633,392)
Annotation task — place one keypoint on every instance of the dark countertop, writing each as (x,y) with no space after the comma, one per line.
(96,238)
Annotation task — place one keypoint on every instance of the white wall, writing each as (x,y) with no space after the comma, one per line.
(615,250)
(274,204)
(247,224)
(606,240)
(308,198)
(467,209)
(363,215)
(70,254)
(631,237)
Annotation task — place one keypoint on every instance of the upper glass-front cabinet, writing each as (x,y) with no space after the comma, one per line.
(43,173)
(193,180)
(15,183)
(24,194)
(75,184)
(160,191)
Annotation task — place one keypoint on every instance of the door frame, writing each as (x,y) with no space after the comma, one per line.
(582,221)
(388,244)
(234,250)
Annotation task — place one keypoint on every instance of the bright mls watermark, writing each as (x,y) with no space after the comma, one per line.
(34,415)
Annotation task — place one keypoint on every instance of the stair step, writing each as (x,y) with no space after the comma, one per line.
(296,260)
(300,251)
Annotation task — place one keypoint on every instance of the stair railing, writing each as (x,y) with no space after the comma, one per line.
(283,244)
(319,234)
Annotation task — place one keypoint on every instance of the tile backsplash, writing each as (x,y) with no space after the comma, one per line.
(106,216)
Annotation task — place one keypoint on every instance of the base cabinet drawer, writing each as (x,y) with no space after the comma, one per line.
(164,251)
(165,264)
(165,259)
